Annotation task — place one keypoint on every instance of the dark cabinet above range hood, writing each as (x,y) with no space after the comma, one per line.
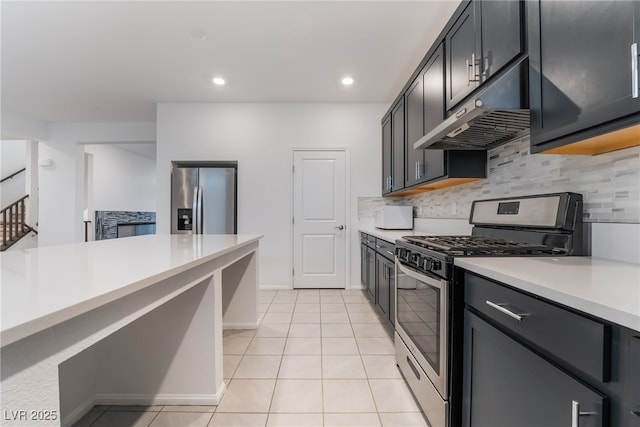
(494,116)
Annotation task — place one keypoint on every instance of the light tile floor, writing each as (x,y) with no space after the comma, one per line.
(319,358)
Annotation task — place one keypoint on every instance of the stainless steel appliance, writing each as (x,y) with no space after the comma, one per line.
(203,198)
(429,293)
(495,116)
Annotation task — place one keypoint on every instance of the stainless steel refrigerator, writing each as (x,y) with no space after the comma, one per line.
(203,198)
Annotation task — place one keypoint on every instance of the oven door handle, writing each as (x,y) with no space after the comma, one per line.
(422,277)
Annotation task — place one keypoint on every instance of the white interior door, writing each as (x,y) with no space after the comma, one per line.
(319,219)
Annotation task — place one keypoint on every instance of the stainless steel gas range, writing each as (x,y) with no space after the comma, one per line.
(429,294)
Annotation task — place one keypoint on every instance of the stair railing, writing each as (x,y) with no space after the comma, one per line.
(12,175)
(14,223)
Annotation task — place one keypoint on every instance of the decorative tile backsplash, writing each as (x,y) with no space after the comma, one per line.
(609,183)
(107,221)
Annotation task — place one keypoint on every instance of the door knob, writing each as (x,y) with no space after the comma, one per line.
(340,227)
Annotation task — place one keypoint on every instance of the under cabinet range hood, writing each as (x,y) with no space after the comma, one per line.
(496,115)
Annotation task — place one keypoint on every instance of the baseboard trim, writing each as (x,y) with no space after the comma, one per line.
(239,325)
(264,287)
(78,413)
(160,399)
(143,399)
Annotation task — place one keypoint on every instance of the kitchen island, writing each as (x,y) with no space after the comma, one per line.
(125,321)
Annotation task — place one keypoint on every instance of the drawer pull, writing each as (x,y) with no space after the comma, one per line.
(636,413)
(503,310)
(413,368)
(576,414)
(390,253)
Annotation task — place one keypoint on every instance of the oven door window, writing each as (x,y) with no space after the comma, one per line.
(419,315)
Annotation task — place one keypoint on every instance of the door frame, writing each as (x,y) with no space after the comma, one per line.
(347,196)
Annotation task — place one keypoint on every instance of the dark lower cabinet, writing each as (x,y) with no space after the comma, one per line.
(583,73)
(367,265)
(371,273)
(385,283)
(530,362)
(506,385)
(377,274)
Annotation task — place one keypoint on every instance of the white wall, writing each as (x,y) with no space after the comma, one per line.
(260,137)
(123,180)
(62,183)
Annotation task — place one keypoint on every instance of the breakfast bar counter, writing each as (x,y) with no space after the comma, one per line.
(137,320)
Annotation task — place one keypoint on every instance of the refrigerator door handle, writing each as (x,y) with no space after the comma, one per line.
(194,209)
(200,212)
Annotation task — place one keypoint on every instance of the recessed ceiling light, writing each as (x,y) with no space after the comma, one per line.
(347,81)
(219,81)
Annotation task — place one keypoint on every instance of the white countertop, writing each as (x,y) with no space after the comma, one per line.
(603,288)
(44,286)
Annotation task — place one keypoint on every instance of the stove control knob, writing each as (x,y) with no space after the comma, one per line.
(416,259)
(425,264)
(437,265)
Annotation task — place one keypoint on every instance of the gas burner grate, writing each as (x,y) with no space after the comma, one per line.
(479,246)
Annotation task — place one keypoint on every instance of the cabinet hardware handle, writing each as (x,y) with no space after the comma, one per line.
(576,414)
(472,74)
(377,246)
(390,253)
(503,310)
(417,169)
(391,182)
(413,368)
(634,70)
(476,68)
(636,413)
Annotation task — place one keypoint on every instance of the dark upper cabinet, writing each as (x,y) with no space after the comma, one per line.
(486,37)
(501,37)
(414,98)
(393,143)
(387,153)
(397,146)
(433,84)
(581,72)
(433,113)
(424,105)
(460,44)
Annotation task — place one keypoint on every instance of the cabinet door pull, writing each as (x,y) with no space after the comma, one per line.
(390,253)
(576,414)
(634,70)
(474,65)
(503,310)
(636,413)
(413,368)
(468,73)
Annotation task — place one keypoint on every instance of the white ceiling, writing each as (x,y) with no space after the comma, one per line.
(89,61)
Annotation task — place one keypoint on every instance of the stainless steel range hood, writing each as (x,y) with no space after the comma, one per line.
(496,115)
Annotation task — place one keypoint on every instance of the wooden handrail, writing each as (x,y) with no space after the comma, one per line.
(12,175)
